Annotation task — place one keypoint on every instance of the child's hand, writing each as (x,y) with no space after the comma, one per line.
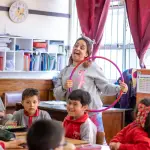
(68,84)
(11,123)
(15,143)
(123,86)
(117,145)
(114,146)
(69,146)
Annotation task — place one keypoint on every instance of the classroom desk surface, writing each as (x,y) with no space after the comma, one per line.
(113,118)
(22,135)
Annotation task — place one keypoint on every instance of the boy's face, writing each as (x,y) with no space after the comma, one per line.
(75,108)
(30,104)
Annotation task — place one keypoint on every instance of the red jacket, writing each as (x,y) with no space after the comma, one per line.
(72,127)
(2,144)
(132,137)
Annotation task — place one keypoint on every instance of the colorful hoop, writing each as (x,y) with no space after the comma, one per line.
(120,94)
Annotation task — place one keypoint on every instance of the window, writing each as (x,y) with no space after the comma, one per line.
(117,43)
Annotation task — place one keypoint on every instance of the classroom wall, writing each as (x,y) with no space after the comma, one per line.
(37,26)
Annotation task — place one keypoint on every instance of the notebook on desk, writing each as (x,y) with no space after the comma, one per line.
(89,147)
(56,102)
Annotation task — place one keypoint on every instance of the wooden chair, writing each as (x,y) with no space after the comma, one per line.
(10,99)
(100,138)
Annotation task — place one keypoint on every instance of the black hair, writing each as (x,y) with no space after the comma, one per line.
(86,64)
(29,92)
(80,95)
(45,135)
(146,102)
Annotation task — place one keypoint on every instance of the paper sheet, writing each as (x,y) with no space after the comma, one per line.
(143,84)
(56,103)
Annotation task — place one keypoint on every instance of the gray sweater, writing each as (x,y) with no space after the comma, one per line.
(90,79)
(88,131)
(22,119)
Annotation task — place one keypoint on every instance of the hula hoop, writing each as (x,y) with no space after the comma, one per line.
(120,94)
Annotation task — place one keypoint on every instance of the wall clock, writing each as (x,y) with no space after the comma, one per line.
(18,11)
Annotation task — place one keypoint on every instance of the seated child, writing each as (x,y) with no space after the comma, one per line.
(30,113)
(136,136)
(46,135)
(77,124)
(4,117)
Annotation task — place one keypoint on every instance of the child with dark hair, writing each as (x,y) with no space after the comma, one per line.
(136,136)
(77,124)
(46,135)
(30,113)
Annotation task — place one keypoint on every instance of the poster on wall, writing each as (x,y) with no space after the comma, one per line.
(143,83)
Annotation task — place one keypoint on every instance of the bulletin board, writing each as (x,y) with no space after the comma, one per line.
(143,84)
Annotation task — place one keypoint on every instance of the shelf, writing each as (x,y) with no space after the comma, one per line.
(52,71)
(19,55)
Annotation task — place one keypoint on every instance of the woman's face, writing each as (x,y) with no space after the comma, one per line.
(79,51)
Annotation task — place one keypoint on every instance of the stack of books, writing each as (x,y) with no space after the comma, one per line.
(4,44)
(39,45)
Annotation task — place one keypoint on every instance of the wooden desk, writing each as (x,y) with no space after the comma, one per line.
(113,119)
(22,135)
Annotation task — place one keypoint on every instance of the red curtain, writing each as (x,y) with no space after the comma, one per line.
(92,15)
(139,20)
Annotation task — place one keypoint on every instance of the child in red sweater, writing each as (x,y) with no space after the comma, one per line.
(78,124)
(136,136)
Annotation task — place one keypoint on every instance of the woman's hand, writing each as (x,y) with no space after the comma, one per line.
(69,84)
(123,86)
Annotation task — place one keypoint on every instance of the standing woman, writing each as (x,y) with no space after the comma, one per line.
(89,77)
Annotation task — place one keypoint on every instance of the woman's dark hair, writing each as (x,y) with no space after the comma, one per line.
(146,102)
(45,135)
(86,64)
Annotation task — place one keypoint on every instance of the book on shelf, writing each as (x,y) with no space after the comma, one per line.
(39,44)
(41,50)
(26,61)
(39,40)
(4,44)
(1,63)
(36,62)
(5,40)
(56,42)
(60,62)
